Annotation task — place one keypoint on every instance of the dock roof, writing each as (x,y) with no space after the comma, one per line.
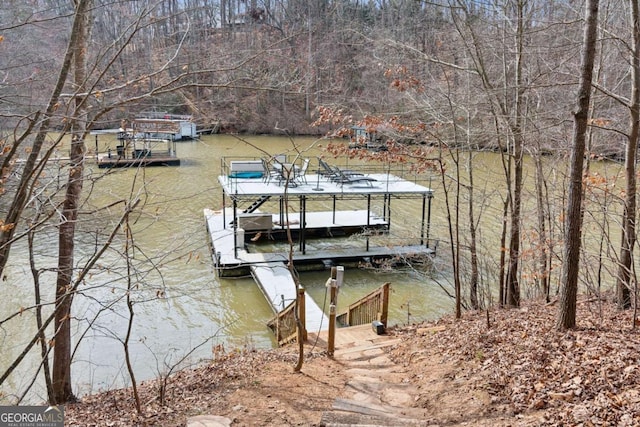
(318,185)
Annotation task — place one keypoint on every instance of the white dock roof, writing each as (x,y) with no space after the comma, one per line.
(319,185)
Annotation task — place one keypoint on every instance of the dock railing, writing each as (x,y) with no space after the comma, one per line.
(374,306)
(401,170)
(283,324)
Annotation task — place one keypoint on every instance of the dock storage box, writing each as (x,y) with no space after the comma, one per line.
(255,222)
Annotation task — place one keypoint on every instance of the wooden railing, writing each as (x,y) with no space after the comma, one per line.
(283,324)
(374,306)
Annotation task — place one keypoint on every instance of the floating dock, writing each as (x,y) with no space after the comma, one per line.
(232,258)
(150,159)
(235,229)
(134,150)
(279,289)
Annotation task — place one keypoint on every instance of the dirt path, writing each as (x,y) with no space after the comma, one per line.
(376,391)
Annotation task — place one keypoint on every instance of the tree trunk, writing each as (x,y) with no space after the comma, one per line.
(474,279)
(62,391)
(542,276)
(573,216)
(623,282)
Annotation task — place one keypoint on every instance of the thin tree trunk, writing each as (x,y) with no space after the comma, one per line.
(513,285)
(573,216)
(542,277)
(473,244)
(24,187)
(623,282)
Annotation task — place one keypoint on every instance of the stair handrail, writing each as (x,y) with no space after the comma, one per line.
(374,306)
(284,325)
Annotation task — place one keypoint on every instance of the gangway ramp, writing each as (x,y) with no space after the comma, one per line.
(276,283)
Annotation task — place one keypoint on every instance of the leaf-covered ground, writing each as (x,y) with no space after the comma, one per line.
(504,367)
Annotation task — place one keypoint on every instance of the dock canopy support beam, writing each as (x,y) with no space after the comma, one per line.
(235,227)
(368,219)
(430,198)
(424,204)
(387,210)
(303,224)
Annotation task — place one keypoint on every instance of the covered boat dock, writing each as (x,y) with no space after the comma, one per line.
(304,211)
(246,188)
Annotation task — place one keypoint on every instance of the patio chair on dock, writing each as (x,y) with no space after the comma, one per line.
(343,176)
(300,174)
(270,172)
(334,173)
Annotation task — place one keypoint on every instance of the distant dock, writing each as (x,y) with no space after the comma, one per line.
(151,159)
(138,147)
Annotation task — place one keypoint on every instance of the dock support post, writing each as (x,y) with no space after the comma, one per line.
(389,213)
(334,208)
(224,210)
(424,204)
(368,219)
(384,207)
(430,197)
(334,282)
(303,224)
(235,228)
(284,225)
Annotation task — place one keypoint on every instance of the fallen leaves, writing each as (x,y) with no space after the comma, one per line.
(588,376)
(518,372)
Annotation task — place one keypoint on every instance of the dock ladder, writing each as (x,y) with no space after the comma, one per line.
(256,204)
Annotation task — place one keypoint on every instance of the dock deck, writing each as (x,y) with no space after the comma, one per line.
(235,260)
(105,161)
(279,289)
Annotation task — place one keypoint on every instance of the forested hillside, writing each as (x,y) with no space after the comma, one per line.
(263,66)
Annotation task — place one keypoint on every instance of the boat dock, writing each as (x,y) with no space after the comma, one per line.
(136,148)
(241,232)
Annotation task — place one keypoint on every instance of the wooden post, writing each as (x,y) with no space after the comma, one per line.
(302,312)
(385,304)
(331,343)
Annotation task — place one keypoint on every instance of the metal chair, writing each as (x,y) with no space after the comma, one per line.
(270,172)
(300,174)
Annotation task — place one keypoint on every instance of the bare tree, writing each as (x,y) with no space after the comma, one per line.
(573,217)
(624,280)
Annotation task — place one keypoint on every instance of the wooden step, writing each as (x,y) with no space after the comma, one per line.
(348,412)
(349,419)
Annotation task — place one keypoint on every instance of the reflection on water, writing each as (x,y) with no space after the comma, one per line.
(179,303)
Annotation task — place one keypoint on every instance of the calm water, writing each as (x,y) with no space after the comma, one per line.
(195,309)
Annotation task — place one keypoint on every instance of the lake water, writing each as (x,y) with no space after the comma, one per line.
(182,310)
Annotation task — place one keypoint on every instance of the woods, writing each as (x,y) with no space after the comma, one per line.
(438,82)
